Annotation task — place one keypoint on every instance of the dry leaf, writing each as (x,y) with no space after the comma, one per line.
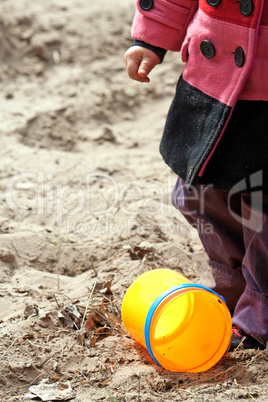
(51,392)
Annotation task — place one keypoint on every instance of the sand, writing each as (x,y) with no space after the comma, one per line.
(85,209)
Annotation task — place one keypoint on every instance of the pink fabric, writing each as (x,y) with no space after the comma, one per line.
(218,77)
(180,25)
(229,11)
(165,24)
(256,87)
(256,54)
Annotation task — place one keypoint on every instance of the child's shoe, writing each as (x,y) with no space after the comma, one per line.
(243,341)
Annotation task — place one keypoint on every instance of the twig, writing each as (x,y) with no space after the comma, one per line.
(15,340)
(54,296)
(106,381)
(15,250)
(105,303)
(108,315)
(92,266)
(86,309)
(260,353)
(41,364)
(214,376)
(66,296)
(57,268)
(32,382)
(119,252)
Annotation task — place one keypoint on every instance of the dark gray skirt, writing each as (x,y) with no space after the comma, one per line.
(195,122)
(241,156)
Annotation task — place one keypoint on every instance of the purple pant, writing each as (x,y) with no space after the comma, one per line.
(233,229)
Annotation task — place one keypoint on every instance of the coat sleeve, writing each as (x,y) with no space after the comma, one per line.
(164,22)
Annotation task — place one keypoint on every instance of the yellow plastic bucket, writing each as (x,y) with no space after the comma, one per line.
(184,326)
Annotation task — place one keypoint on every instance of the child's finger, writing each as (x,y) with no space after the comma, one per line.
(146,67)
(133,71)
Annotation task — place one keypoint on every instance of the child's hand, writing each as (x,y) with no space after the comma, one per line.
(139,62)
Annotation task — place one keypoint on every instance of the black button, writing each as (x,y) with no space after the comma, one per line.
(239,56)
(246,7)
(214,3)
(146,5)
(207,49)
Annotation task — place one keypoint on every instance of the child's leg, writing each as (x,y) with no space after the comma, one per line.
(220,233)
(251,313)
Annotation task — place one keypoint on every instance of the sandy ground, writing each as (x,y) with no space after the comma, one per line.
(85,209)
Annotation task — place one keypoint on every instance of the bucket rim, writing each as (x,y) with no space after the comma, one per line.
(158,301)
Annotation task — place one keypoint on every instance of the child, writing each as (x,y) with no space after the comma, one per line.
(216,139)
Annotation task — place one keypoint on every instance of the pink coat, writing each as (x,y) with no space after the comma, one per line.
(224,45)
(181,25)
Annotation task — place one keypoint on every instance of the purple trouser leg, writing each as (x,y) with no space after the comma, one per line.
(234,232)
